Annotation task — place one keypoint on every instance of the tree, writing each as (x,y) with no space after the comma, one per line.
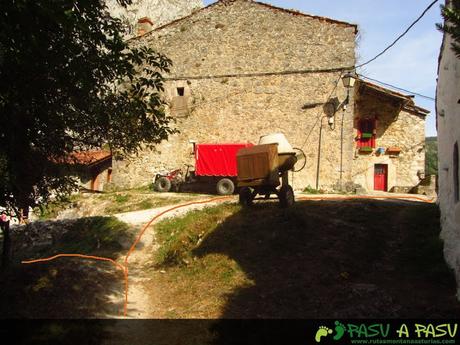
(69,82)
(451,25)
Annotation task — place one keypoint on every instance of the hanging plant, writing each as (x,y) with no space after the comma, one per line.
(366,149)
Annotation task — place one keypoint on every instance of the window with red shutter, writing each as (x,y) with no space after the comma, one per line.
(366,133)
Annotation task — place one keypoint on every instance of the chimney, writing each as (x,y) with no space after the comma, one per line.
(144,25)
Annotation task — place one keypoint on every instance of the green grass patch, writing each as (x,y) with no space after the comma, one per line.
(431,156)
(264,261)
(179,236)
(311,190)
(100,236)
(121,198)
(141,203)
(66,287)
(53,208)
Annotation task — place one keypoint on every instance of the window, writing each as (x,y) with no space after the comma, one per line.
(366,133)
(179,103)
(455,172)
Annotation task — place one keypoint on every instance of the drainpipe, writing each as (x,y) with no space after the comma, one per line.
(319,152)
(341,151)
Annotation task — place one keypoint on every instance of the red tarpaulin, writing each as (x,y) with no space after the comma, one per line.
(217,159)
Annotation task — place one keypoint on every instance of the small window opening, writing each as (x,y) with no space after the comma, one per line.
(180,91)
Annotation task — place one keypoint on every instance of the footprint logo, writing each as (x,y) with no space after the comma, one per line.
(323,331)
(339,330)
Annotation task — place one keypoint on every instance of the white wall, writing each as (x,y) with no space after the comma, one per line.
(448,117)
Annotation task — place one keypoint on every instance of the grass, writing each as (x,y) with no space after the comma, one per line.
(126,203)
(100,236)
(121,198)
(110,203)
(431,156)
(66,287)
(358,258)
(96,235)
(53,208)
(179,236)
(311,190)
(197,287)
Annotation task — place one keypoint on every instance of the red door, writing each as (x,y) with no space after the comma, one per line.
(380,177)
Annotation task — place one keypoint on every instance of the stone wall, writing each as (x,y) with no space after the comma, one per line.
(159,11)
(248,70)
(448,110)
(396,127)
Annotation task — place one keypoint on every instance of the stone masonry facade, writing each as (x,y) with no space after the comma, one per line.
(159,12)
(399,124)
(243,69)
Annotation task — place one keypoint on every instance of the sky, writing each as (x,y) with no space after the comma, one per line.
(411,64)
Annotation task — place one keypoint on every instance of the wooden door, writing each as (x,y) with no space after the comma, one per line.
(380,177)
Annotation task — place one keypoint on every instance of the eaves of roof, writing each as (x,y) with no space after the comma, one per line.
(407,100)
(292,12)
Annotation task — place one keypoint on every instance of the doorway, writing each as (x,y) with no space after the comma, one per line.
(381,177)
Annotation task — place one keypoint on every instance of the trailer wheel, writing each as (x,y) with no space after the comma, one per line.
(163,185)
(225,186)
(286,196)
(246,198)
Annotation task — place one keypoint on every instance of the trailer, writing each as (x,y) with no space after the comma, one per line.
(215,164)
(263,170)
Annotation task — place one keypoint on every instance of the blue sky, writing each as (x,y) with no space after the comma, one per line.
(412,64)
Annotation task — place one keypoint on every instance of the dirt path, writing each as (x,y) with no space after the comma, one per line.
(143,302)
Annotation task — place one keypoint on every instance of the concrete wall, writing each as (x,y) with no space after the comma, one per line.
(448,112)
(249,70)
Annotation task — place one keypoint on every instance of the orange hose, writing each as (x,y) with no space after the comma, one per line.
(124,267)
(139,237)
(409,197)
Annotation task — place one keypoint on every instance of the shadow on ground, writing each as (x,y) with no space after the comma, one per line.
(69,288)
(344,259)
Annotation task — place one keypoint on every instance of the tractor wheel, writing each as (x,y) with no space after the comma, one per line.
(225,186)
(246,198)
(286,196)
(163,185)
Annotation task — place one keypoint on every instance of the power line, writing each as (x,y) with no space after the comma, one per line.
(398,88)
(336,84)
(260,74)
(400,36)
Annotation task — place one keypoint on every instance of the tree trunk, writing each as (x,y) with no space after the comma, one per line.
(6,244)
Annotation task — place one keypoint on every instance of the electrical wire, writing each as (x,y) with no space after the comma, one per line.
(319,115)
(400,36)
(397,88)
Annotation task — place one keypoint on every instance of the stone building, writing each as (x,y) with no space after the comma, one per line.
(159,12)
(92,169)
(448,124)
(390,139)
(242,69)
